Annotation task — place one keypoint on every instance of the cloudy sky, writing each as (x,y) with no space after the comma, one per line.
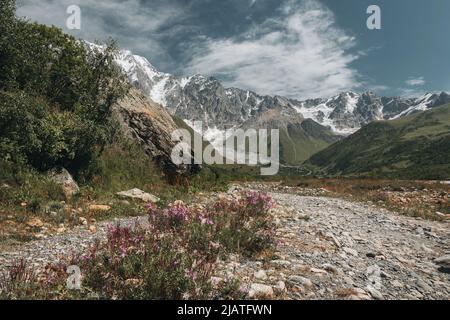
(295,48)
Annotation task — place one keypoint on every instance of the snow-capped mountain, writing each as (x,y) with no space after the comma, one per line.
(349,111)
(198,98)
(344,113)
(194,98)
(428,101)
(143,75)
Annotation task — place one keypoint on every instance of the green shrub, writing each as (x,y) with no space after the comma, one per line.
(56,96)
(173,258)
(28,130)
(25,185)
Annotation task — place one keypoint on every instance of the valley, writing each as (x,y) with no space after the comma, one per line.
(90,180)
(412,147)
(306,127)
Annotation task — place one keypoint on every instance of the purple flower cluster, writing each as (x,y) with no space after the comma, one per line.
(122,240)
(173,216)
(191,274)
(177,211)
(205,220)
(260,198)
(151,208)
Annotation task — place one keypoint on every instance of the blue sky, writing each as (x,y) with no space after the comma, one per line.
(295,48)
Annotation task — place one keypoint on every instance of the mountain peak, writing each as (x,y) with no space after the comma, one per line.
(201,98)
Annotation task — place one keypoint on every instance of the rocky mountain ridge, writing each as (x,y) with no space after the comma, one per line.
(200,98)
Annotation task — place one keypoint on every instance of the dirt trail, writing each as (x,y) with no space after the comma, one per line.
(335,249)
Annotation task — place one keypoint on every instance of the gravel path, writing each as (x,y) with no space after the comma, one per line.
(42,252)
(335,249)
(329,249)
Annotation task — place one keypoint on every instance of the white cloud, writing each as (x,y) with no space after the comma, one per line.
(301,53)
(410,93)
(420,81)
(134,25)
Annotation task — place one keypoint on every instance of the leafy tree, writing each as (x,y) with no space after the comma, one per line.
(56,95)
(7,21)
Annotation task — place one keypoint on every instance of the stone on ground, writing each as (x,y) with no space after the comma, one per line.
(258,290)
(99,208)
(138,194)
(65,180)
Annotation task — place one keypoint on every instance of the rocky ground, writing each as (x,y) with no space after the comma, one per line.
(49,250)
(334,249)
(328,248)
(426,199)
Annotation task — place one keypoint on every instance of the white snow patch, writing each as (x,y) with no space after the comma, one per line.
(127,65)
(247,96)
(158,92)
(184,82)
(321,113)
(352,102)
(421,104)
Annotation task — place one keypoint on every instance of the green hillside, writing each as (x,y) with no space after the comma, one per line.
(298,142)
(299,138)
(414,147)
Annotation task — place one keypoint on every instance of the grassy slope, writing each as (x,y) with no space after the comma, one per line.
(299,142)
(414,147)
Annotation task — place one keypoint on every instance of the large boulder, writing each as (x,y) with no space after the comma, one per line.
(151,126)
(63,178)
(443,263)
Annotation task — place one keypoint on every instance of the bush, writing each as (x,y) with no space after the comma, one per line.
(28,130)
(229,225)
(244,224)
(25,185)
(137,264)
(171,257)
(56,97)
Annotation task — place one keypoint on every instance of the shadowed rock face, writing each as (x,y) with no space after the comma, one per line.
(151,126)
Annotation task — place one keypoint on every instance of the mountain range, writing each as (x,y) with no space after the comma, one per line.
(306,126)
(205,99)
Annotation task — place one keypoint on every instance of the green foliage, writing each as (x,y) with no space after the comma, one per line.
(124,165)
(56,96)
(121,166)
(25,185)
(29,130)
(7,21)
